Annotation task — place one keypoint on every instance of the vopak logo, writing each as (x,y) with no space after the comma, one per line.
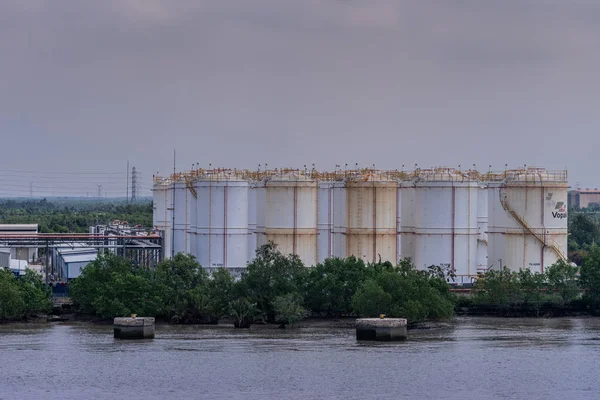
(561,210)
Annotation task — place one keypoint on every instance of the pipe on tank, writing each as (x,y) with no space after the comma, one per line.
(374,222)
(453,224)
(225,224)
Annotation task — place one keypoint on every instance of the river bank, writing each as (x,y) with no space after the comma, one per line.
(224,323)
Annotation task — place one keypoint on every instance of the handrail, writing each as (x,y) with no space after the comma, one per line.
(189,183)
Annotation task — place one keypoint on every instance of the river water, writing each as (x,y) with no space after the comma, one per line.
(478,358)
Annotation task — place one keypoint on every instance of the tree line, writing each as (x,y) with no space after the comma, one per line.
(73,216)
(278,288)
(274,288)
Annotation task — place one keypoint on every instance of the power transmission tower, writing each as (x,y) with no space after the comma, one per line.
(99,191)
(134,184)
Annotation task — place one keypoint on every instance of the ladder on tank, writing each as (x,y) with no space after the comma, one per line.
(189,184)
(539,236)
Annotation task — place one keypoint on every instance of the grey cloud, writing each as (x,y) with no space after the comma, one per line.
(238,82)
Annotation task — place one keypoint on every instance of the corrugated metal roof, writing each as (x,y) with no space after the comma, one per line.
(77,250)
(18,228)
(79,258)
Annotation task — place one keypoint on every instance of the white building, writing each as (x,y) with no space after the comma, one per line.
(21,253)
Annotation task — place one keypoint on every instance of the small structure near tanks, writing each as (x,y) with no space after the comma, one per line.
(381,329)
(134,327)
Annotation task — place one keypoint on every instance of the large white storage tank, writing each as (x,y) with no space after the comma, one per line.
(222,219)
(325,220)
(162,204)
(182,210)
(482,229)
(253,189)
(192,197)
(339,211)
(407,195)
(446,221)
(290,218)
(527,225)
(364,217)
(372,204)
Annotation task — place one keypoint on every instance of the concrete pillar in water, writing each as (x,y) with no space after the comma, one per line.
(381,329)
(134,327)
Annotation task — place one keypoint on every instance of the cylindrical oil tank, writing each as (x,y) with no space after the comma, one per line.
(159,204)
(527,225)
(252,219)
(398,222)
(371,206)
(182,217)
(192,220)
(407,214)
(222,220)
(339,219)
(482,229)
(260,193)
(325,220)
(162,199)
(446,222)
(291,214)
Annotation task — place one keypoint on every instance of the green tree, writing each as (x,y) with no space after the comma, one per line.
(583,232)
(24,296)
(562,279)
(243,312)
(330,285)
(182,285)
(111,287)
(404,292)
(12,302)
(288,310)
(36,294)
(221,292)
(496,288)
(371,300)
(590,278)
(272,274)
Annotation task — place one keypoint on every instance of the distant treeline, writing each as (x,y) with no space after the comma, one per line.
(75,215)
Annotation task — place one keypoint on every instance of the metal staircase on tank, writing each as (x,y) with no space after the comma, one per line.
(189,183)
(539,236)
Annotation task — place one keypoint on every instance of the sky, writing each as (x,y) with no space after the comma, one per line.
(86,86)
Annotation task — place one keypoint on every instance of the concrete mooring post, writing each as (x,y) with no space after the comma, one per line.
(381,329)
(134,327)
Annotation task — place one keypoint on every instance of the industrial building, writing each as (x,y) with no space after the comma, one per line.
(466,220)
(583,198)
(28,254)
(70,262)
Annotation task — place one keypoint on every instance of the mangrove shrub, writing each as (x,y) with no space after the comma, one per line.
(24,296)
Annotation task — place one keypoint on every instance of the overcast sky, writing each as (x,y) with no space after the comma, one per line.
(87,85)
